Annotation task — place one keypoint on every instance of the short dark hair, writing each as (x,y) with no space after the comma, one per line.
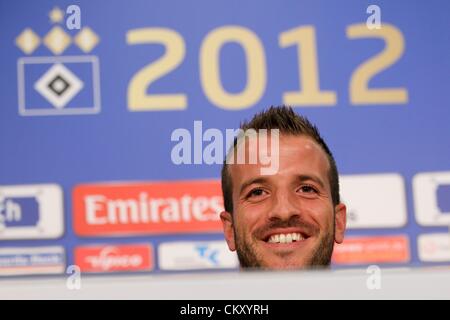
(287,122)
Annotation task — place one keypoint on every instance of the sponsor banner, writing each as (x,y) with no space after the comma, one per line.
(374,200)
(432,198)
(31,212)
(434,247)
(147,208)
(379,249)
(114,258)
(195,255)
(33,260)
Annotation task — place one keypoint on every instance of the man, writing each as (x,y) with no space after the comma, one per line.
(291,218)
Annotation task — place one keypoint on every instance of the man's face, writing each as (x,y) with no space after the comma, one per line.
(286,220)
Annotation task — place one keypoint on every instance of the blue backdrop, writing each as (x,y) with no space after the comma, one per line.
(121,140)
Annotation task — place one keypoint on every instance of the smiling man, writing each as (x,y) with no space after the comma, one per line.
(289,219)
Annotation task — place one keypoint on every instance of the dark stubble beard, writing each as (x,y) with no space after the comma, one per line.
(249,259)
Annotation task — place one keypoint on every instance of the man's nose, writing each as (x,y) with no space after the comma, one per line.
(285,205)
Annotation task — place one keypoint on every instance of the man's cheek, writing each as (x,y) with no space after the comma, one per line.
(323,218)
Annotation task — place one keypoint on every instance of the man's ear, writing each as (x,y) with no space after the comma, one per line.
(228,230)
(340,221)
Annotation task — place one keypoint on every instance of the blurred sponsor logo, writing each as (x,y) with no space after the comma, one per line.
(365,250)
(136,257)
(31,212)
(33,260)
(432,198)
(152,208)
(374,201)
(184,255)
(434,247)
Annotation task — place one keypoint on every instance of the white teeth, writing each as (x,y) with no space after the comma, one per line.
(285,238)
(288,238)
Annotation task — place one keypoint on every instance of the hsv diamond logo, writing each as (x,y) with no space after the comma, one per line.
(58,85)
(136,257)
(31,212)
(150,208)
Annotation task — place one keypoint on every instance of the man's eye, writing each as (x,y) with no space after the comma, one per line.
(308,189)
(255,193)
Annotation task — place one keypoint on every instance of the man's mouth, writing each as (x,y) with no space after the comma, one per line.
(285,237)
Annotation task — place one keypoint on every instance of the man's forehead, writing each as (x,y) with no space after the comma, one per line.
(296,153)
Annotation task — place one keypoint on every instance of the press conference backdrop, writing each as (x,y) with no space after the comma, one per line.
(96,97)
